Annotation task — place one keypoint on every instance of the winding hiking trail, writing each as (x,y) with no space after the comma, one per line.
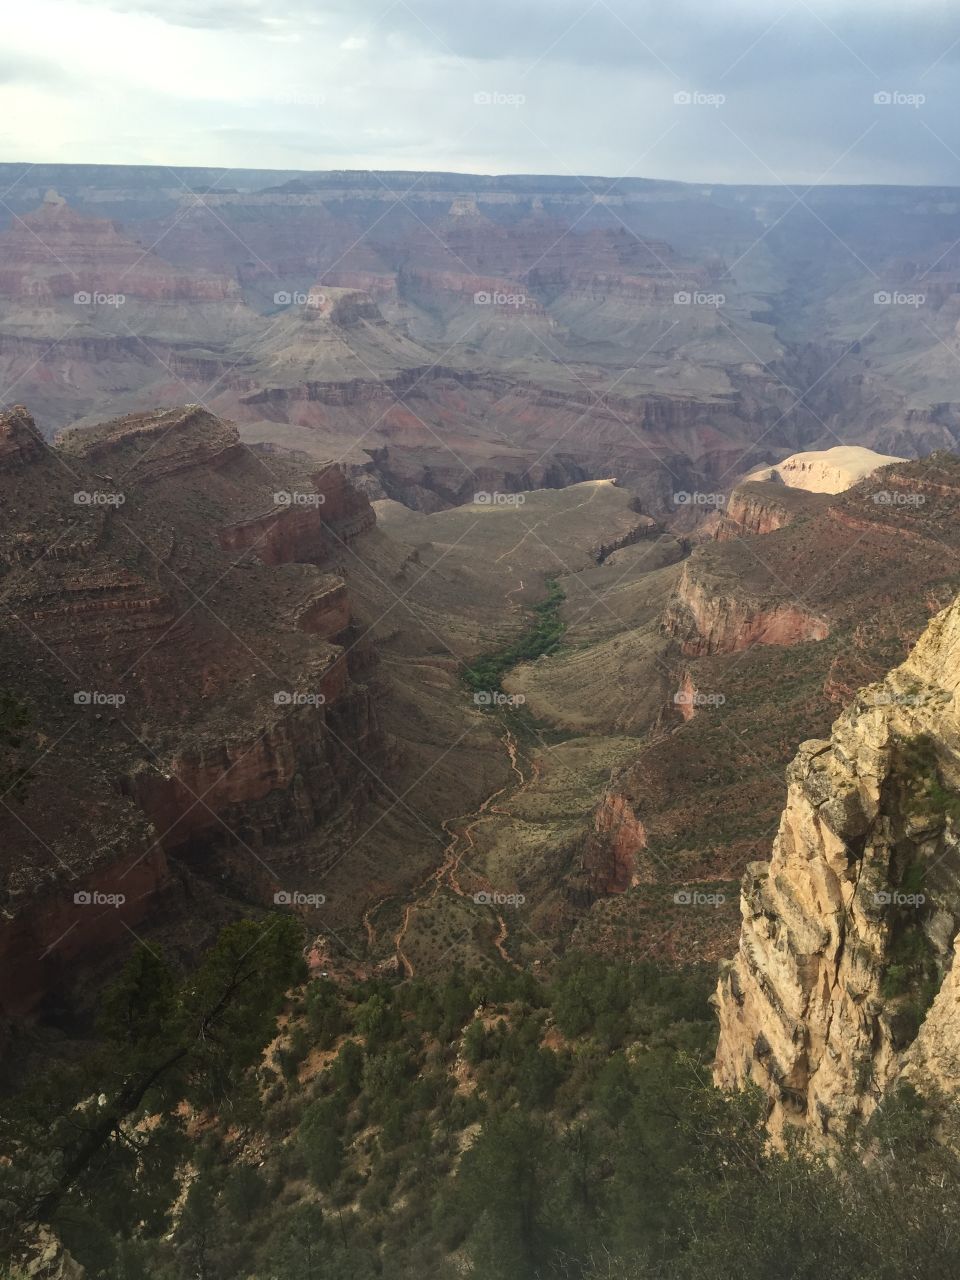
(447,875)
(460,830)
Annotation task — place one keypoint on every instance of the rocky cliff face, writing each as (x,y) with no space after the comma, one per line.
(845,981)
(610,860)
(310,527)
(710,617)
(757,508)
(56,252)
(198,695)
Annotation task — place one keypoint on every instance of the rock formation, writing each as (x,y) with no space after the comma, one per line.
(178,630)
(707,617)
(609,862)
(56,252)
(825,470)
(845,981)
(757,507)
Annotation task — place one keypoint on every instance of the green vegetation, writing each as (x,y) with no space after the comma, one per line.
(541,637)
(929,796)
(79,1149)
(14,719)
(491,1126)
(911,964)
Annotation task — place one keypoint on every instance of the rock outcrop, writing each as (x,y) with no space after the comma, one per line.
(845,981)
(825,470)
(610,859)
(177,628)
(711,617)
(757,507)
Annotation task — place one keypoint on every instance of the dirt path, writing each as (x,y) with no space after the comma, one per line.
(447,874)
(547,519)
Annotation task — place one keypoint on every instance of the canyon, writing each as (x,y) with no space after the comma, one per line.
(428,330)
(395,428)
(273,666)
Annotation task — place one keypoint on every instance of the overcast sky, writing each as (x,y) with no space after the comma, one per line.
(781,92)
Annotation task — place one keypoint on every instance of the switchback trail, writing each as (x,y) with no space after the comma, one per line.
(541,636)
(453,865)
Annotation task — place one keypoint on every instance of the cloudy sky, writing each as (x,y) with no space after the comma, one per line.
(704,90)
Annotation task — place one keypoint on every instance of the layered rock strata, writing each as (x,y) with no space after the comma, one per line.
(845,981)
(181,643)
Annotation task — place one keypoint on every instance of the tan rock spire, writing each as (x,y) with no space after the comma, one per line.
(848,931)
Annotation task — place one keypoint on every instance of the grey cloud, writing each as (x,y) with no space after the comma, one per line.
(599,78)
(16,69)
(687,35)
(213,15)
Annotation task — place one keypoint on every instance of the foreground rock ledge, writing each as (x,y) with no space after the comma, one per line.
(844,981)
